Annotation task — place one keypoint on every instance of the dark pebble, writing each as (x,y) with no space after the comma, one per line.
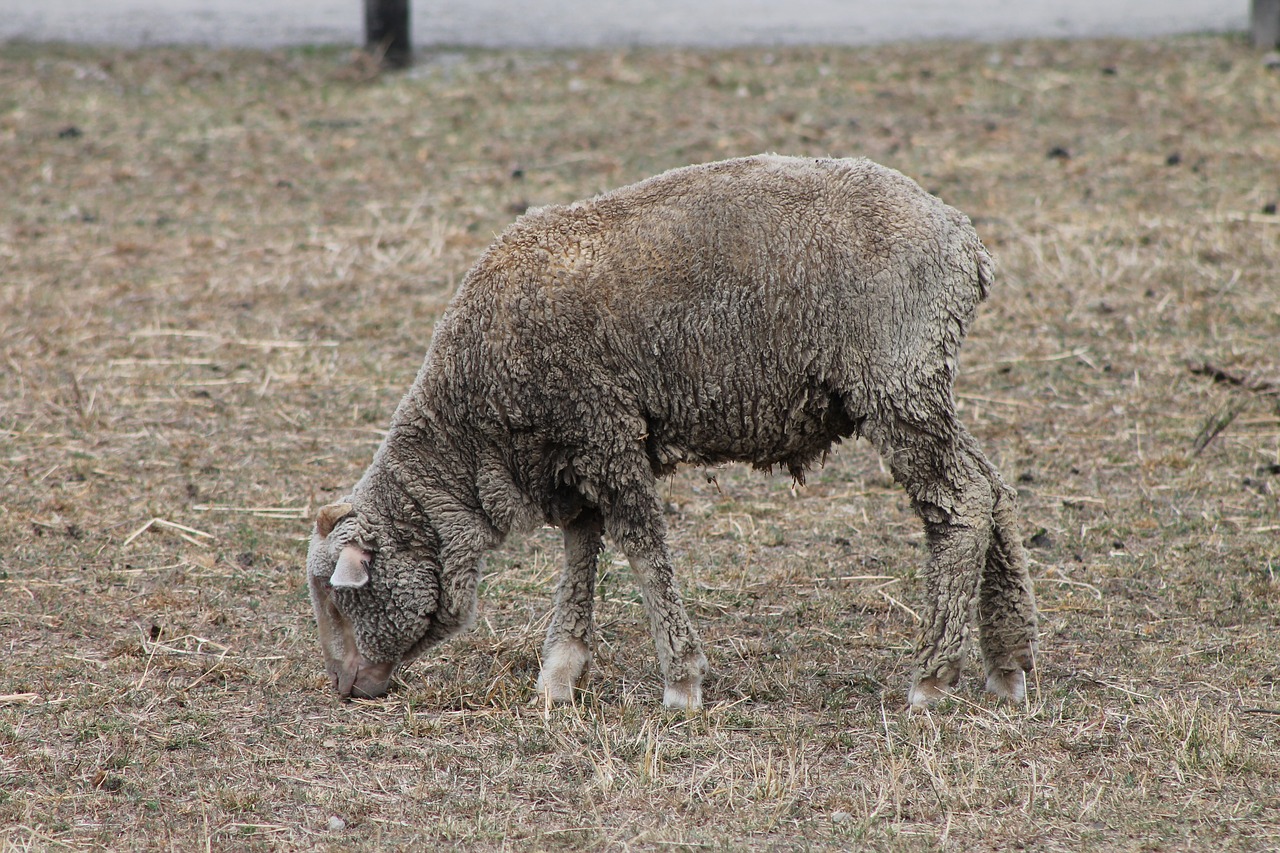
(1041,539)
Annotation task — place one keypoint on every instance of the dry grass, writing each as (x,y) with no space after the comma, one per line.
(219,271)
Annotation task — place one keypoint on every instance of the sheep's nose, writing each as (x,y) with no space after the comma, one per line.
(343,682)
(360,679)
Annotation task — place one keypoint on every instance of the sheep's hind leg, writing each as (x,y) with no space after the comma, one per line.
(566,653)
(1007,624)
(635,522)
(946,478)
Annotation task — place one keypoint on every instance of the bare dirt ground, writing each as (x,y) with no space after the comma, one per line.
(219,272)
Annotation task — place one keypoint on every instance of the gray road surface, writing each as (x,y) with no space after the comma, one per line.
(599,23)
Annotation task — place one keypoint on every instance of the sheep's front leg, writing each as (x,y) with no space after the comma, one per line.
(566,653)
(637,525)
(679,648)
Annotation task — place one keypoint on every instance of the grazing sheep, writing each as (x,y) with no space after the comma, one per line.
(756,310)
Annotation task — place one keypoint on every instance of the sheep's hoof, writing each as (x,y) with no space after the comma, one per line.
(1007,674)
(926,692)
(685,694)
(565,668)
(1008,684)
(554,694)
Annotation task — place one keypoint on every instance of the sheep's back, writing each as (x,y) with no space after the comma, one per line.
(753,310)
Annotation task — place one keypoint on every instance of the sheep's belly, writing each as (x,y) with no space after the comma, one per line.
(764,432)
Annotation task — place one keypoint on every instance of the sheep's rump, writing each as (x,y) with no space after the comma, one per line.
(751,310)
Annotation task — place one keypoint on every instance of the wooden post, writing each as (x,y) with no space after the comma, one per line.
(1265,23)
(386,31)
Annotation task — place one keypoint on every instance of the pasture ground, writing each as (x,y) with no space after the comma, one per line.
(219,272)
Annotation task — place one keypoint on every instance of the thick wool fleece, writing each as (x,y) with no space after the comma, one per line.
(753,310)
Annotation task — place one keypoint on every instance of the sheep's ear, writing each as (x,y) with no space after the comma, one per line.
(352,570)
(329,516)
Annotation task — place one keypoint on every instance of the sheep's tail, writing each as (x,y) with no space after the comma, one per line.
(986,269)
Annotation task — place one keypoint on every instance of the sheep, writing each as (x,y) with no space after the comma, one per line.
(757,310)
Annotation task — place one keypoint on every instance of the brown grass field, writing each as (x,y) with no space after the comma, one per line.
(219,272)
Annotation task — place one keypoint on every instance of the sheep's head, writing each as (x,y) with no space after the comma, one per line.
(376,601)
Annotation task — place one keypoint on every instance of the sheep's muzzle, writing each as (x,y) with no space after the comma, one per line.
(350,672)
(357,678)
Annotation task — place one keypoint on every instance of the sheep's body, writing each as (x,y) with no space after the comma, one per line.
(754,310)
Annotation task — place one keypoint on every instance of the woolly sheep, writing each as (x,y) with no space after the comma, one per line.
(755,310)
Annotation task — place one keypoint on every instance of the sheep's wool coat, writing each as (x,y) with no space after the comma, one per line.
(754,310)
(752,314)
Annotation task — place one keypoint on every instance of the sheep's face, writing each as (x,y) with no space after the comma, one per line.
(375,604)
